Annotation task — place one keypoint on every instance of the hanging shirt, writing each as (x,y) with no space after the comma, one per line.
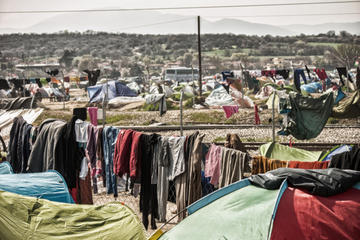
(81,131)
(212,164)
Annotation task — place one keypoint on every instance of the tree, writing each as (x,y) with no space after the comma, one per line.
(86,62)
(67,58)
(187,60)
(346,54)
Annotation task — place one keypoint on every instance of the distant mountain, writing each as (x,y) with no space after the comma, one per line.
(353,28)
(153,22)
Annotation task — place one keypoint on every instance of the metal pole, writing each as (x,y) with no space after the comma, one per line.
(199,50)
(63,85)
(273,116)
(105,100)
(181,112)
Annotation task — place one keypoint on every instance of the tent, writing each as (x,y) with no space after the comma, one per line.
(244,210)
(5,168)
(113,88)
(219,97)
(285,153)
(46,185)
(24,217)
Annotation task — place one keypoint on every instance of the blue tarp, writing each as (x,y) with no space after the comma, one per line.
(46,185)
(115,89)
(5,168)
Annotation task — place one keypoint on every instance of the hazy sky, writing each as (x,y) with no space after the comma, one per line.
(26,20)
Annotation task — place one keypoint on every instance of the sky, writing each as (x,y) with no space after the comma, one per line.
(267,15)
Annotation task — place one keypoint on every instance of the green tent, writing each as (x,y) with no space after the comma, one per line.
(282,152)
(24,217)
(241,206)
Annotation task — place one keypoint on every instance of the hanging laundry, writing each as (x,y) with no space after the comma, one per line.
(67,79)
(230,110)
(257,118)
(357,78)
(93,111)
(122,152)
(262,164)
(308,115)
(212,164)
(157,98)
(81,131)
(91,153)
(232,166)
(308,165)
(284,73)
(297,74)
(109,139)
(268,73)
(342,71)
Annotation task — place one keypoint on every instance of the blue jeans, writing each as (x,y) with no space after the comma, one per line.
(297,74)
(109,139)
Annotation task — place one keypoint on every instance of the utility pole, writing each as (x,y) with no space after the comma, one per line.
(199,50)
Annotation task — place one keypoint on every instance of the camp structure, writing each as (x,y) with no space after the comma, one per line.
(111,89)
(278,205)
(45,185)
(23,217)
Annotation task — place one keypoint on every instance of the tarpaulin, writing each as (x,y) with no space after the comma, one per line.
(308,115)
(112,89)
(5,168)
(348,108)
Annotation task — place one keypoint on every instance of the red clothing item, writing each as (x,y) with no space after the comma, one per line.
(308,165)
(304,216)
(257,118)
(135,155)
(122,152)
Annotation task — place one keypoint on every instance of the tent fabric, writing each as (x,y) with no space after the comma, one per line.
(285,153)
(322,182)
(347,160)
(5,168)
(308,115)
(244,211)
(24,217)
(304,216)
(219,97)
(348,108)
(334,151)
(230,217)
(113,88)
(45,185)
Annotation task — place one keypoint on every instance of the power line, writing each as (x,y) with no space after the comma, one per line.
(180,8)
(282,15)
(158,23)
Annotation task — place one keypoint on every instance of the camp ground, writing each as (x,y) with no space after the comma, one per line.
(82,174)
(162,120)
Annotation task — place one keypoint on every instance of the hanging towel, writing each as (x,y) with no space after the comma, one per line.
(230,110)
(93,115)
(257,118)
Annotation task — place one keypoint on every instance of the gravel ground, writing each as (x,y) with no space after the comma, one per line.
(328,135)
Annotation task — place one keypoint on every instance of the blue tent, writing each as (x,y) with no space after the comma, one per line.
(5,168)
(46,185)
(115,89)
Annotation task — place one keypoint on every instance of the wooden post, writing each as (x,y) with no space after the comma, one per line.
(181,112)
(199,50)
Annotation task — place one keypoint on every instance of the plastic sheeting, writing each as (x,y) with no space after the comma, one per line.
(348,108)
(30,218)
(46,185)
(113,88)
(219,97)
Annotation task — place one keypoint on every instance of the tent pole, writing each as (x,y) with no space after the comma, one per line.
(181,112)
